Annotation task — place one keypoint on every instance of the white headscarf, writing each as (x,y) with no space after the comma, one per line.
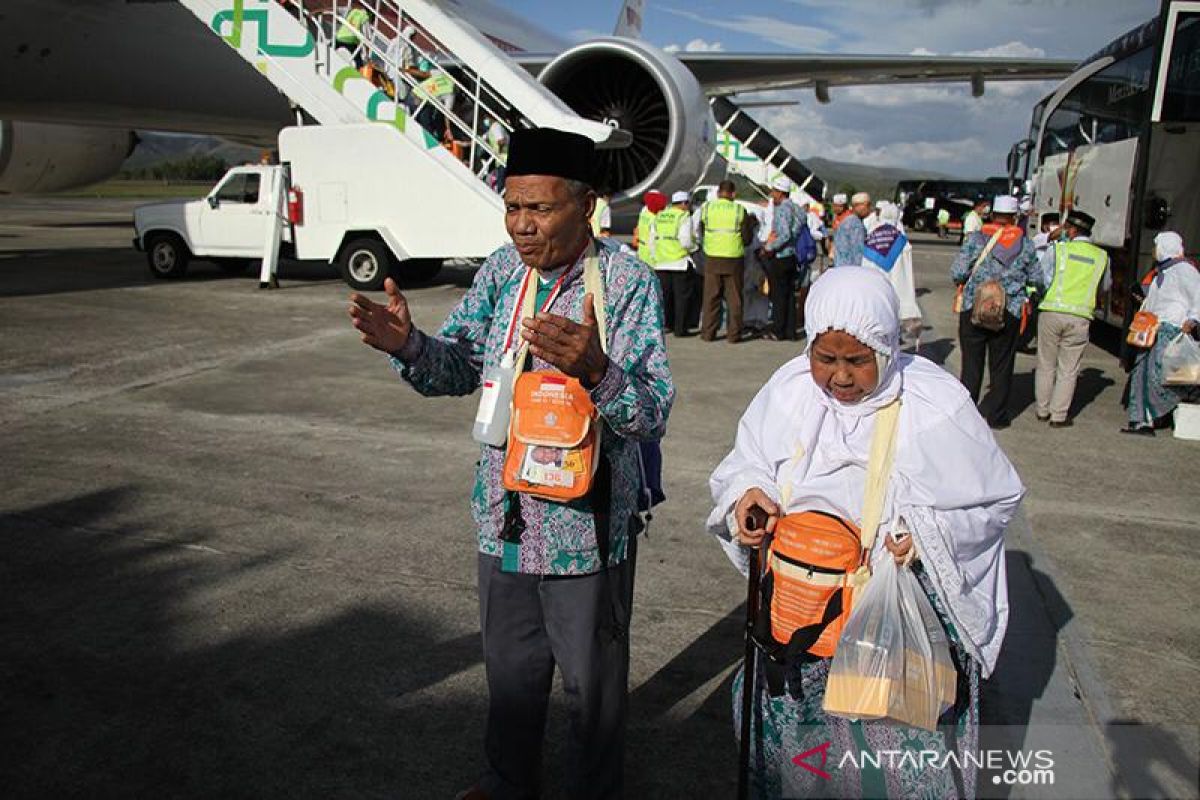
(1168,244)
(951,484)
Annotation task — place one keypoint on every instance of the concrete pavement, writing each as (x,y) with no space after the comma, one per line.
(237,551)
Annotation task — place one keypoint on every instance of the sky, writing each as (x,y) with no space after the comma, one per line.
(938,128)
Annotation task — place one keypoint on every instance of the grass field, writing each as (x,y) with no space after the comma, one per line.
(132,189)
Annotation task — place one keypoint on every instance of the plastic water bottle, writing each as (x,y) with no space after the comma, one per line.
(495,404)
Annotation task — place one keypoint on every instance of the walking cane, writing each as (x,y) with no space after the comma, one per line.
(758,519)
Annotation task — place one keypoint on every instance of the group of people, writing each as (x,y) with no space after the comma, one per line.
(749,265)
(580,316)
(1009,285)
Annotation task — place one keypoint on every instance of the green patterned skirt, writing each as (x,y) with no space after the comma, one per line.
(793,728)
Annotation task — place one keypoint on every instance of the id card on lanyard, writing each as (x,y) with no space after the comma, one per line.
(495,399)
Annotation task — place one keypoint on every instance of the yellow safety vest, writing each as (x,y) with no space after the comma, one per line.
(666,235)
(645,221)
(597,214)
(723,228)
(437,86)
(349,32)
(1078,269)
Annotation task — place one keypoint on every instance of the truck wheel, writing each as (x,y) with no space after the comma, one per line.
(365,264)
(420,270)
(167,255)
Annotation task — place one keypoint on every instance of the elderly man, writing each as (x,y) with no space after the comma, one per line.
(779,253)
(851,235)
(997,260)
(555,578)
(838,213)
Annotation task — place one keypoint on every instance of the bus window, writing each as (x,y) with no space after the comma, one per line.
(1110,106)
(1181,100)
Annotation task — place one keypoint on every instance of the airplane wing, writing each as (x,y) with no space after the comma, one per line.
(731,73)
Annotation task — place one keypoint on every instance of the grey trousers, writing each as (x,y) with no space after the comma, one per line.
(530,623)
(1062,338)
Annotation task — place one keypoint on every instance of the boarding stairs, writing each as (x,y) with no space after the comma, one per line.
(752,151)
(293,43)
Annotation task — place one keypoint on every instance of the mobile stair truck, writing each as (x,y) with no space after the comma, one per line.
(361,185)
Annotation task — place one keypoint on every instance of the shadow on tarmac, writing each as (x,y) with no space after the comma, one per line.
(937,351)
(1150,761)
(120,682)
(1090,385)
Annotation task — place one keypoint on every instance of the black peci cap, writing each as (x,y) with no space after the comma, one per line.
(546,151)
(1081,219)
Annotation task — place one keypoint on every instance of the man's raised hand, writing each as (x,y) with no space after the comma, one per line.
(571,346)
(383,327)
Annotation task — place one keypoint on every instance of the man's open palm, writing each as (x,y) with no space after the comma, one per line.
(383,327)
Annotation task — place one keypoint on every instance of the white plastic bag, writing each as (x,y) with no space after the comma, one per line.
(892,660)
(1181,361)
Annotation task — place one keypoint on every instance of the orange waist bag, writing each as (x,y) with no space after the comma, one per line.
(809,587)
(1143,330)
(553,439)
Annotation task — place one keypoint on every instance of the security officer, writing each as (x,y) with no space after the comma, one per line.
(671,229)
(653,202)
(437,93)
(1080,268)
(725,230)
(351,33)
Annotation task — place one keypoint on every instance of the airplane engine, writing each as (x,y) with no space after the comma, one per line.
(38,157)
(636,87)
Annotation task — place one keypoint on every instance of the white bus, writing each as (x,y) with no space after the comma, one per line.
(1120,140)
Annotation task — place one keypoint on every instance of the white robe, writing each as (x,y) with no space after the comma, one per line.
(951,484)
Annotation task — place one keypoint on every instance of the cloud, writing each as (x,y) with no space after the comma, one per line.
(769,29)
(695,46)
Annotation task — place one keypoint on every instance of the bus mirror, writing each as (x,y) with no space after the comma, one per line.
(213,202)
(1158,211)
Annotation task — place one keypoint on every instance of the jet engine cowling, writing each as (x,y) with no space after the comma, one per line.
(636,87)
(38,157)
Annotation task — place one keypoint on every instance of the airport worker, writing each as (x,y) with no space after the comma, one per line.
(852,233)
(973,221)
(1171,292)
(1079,271)
(555,578)
(888,249)
(802,452)
(352,33)
(943,222)
(602,215)
(496,138)
(672,233)
(779,253)
(992,271)
(725,229)
(653,202)
(436,93)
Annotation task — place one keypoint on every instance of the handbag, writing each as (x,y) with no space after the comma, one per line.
(1143,330)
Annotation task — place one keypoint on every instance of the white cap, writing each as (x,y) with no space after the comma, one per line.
(1005,204)
(840,199)
(680,197)
(782,184)
(860,197)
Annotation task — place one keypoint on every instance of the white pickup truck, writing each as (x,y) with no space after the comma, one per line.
(351,201)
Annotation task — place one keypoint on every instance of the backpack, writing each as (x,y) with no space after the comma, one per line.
(816,563)
(806,246)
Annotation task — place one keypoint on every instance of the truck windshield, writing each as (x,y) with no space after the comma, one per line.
(241,187)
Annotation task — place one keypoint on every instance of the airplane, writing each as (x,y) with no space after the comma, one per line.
(79,77)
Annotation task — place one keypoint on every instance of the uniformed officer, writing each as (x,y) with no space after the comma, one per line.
(725,230)
(671,230)
(1079,269)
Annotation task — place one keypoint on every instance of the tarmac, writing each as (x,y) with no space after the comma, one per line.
(238,559)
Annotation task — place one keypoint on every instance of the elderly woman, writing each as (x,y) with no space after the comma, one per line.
(1172,292)
(810,430)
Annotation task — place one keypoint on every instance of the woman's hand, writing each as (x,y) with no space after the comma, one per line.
(756,515)
(901,549)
